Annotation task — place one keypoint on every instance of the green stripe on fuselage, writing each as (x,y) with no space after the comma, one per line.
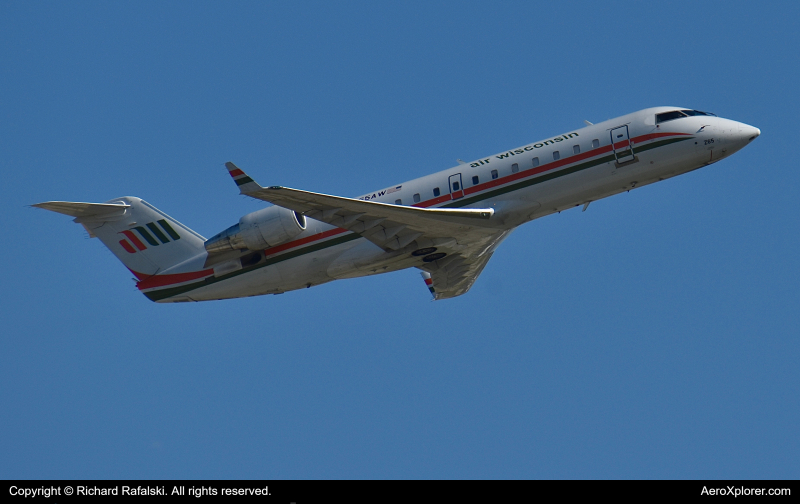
(157,295)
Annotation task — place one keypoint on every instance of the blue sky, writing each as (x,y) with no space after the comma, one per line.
(653,336)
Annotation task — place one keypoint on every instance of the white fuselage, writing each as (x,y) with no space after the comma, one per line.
(520,184)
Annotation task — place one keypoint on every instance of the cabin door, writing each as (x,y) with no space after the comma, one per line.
(456,187)
(623,147)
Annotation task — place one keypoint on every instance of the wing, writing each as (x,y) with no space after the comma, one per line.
(452,244)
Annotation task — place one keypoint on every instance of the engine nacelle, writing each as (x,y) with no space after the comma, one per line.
(259,230)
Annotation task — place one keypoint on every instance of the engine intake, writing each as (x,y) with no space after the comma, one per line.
(259,230)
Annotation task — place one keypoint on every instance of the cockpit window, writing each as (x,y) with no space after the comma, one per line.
(697,113)
(677,114)
(669,116)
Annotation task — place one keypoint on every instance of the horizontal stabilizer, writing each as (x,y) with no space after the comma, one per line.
(77,209)
(146,240)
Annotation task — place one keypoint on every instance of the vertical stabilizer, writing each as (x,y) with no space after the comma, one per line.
(145,239)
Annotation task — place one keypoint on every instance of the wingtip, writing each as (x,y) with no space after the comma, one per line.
(243,181)
(234,170)
(426,277)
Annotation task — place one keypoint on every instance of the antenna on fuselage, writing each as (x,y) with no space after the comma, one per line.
(588,123)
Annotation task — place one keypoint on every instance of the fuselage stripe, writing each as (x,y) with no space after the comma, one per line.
(156,295)
(175,278)
(164,280)
(302,241)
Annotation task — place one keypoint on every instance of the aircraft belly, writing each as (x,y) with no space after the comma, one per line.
(355,262)
(310,269)
(265,280)
(573,189)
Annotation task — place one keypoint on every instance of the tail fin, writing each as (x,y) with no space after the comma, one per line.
(146,240)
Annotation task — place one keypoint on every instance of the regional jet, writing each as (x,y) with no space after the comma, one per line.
(447,224)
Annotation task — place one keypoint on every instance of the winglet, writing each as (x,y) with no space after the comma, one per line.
(428,282)
(245,183)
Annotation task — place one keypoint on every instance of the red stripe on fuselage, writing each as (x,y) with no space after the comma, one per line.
(164,280)
(149,282)
(303,241)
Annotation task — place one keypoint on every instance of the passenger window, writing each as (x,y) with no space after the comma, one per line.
(556,155)
(416,198)
(456,186)
(535,162)
(436,192)
(475,180)
(494,174)
(514,168)
(398,202)
(595,143)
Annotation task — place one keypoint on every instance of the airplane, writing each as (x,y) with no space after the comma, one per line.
(447,224)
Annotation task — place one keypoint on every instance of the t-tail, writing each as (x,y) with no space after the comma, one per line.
(153,245)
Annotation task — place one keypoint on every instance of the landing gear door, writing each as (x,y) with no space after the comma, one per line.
(456,187)
(623,146)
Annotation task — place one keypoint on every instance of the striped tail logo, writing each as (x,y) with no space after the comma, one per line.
(134,241)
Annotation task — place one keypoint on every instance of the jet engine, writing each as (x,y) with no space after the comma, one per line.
(259,230)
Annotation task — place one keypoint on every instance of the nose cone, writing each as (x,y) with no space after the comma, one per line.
(739,134)
(733,136)
(748,133)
